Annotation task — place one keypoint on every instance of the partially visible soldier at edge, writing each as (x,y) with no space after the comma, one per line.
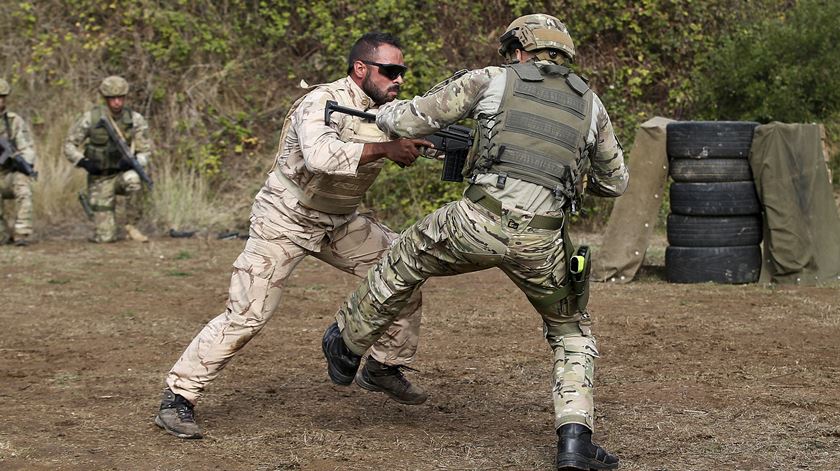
(14,183)
(308,206)
(88,146)
(541,129)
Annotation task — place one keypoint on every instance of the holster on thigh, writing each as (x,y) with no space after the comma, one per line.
(575,291)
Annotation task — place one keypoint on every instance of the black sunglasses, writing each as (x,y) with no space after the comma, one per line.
(392,71)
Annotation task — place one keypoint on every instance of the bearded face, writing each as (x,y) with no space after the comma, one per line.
(380,94)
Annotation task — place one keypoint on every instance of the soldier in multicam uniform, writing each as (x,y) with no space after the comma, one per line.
(14,183)
(89,146)
(308,206)
(540,131)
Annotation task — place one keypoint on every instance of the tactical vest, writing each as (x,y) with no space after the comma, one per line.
(337,194)
(100,149)
(541,132)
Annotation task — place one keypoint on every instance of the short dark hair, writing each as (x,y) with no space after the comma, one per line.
(364,47)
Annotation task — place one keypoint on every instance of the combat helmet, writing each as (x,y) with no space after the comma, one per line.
(113,86)
(535,32)
(5,89)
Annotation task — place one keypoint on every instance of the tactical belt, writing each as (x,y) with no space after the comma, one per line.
(480,197)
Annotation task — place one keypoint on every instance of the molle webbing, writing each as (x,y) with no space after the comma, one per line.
(542,128)
(540,134)
(570,102)
(534,168)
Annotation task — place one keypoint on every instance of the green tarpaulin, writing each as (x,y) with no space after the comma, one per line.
(633,217)
(802,226)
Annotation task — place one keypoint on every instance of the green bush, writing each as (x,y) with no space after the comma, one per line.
(785,68)
(215,79)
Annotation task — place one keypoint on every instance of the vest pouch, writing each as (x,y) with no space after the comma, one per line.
(96,155)
(453,165)
(100,149)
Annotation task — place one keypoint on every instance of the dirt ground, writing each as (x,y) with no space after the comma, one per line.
(691,377)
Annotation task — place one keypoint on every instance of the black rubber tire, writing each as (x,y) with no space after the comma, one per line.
(709,139)
(710,170)
(733,265)
(714,199)
(714,231)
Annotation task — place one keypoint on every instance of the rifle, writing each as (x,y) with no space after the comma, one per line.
(126,153)
(454,141)
(8,153)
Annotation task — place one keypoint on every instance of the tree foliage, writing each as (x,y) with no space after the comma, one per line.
(215,78)
(784,68)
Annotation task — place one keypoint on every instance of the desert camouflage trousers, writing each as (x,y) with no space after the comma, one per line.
(255,287)
(463,237)
(102,194)
(17,186)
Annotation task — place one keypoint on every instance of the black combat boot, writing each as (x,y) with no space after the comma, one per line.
(175,415)
(575,450)
(389,379)
(342,363)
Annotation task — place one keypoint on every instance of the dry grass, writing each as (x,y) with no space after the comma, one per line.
(54,193)
(182,200)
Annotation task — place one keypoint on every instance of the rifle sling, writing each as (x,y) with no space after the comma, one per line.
(107,115)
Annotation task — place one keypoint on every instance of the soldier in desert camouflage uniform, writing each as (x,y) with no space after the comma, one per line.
(88,146)
(14,183)
(541,132)
(308,206)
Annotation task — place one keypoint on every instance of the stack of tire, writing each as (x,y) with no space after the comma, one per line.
(715,225)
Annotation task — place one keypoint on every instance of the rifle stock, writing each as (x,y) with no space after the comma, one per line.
(454,141)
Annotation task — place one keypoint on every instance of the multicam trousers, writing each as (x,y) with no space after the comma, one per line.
(255,288)
(463,237)
(102,191)
(18,186)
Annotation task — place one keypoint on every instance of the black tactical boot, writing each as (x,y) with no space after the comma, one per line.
(176,416)
(575,450)
(379,377)
(341,362)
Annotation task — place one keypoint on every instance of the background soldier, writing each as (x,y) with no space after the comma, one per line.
(89,146)
(540,130)
(307,206)
(13,182)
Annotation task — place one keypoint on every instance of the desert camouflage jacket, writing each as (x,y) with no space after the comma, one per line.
(309,147)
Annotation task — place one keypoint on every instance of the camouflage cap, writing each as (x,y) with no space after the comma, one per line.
(5,89)
(535,32)
(113,86)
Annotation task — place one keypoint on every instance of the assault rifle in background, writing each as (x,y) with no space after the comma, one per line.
(11,157)
(126,153)
(453,141)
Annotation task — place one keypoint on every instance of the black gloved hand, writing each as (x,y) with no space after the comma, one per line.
(89,166)
(124,165)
